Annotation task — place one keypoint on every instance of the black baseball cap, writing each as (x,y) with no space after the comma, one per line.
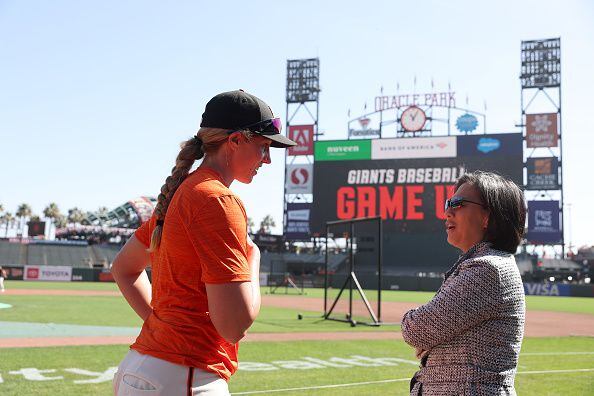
(238,111)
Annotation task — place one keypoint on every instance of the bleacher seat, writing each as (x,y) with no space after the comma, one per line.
(10,253)
(74,256)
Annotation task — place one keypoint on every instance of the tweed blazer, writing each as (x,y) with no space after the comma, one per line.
(472,328)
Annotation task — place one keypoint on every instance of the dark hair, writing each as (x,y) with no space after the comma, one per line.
(505,202)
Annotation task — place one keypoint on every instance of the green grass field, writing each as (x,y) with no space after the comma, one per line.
(536,303)
(548,366)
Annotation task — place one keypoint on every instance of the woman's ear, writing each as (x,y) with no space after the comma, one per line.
(486,222)
(234,140)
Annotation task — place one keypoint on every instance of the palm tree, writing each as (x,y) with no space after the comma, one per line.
(23,211)
(266,223)
(75,216)
(51,212)
(61,221)
(8,219)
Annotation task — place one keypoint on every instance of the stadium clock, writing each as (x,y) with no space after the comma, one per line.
(413,119)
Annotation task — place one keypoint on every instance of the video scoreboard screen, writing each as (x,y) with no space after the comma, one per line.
(405,181)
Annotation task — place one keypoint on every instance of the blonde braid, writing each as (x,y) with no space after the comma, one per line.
(191,150)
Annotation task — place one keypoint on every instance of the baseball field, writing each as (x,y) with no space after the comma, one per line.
(68,338)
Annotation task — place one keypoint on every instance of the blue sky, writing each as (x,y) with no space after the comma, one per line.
(96,96)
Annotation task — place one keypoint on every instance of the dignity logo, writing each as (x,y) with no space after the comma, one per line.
(299,176)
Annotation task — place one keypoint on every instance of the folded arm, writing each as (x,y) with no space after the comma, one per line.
(234,306)
(467,300)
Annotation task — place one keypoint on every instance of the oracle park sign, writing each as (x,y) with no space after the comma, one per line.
(405,181)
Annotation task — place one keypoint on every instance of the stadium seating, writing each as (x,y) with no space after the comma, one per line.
(105,253)
(10,253)
(74,256)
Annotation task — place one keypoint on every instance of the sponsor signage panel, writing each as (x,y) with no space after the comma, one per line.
(541,130)
(490,145)
(298,215)
(431,147)
(342,150)
(546,289)
(365,130)
(14,273)
(543,222)
(47,273)
(543,173)
(299,179)
(303,136)
(466,123)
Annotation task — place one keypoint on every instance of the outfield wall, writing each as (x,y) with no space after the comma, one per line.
(34,273)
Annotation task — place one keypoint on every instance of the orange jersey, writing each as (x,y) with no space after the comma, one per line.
(204,240)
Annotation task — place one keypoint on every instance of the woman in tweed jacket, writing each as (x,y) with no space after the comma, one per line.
(469,335)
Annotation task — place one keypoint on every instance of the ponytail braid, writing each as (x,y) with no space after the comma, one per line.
(191,150)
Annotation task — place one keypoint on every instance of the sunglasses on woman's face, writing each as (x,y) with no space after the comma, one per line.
(457,202)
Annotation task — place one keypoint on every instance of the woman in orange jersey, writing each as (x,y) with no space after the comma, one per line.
(205,290)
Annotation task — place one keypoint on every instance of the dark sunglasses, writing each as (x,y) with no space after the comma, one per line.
(272,126)
(456,202)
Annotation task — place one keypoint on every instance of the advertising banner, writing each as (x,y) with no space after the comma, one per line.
(366,128)
(299,179)
(47,273)
(342,150)
(489,145)
(543,222)
(546,289)
(429,147)
(14,272)
(541,130)
(543,173)
(303,136)
(298,221)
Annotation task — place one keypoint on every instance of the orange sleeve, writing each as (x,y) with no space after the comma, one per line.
(219,234)
(143,233)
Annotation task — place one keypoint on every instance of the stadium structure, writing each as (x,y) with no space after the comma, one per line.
(397,162)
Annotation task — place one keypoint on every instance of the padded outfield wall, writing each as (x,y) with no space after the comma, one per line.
(405,181)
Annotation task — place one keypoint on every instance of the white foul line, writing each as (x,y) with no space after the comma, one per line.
(322,386)
(388,381)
